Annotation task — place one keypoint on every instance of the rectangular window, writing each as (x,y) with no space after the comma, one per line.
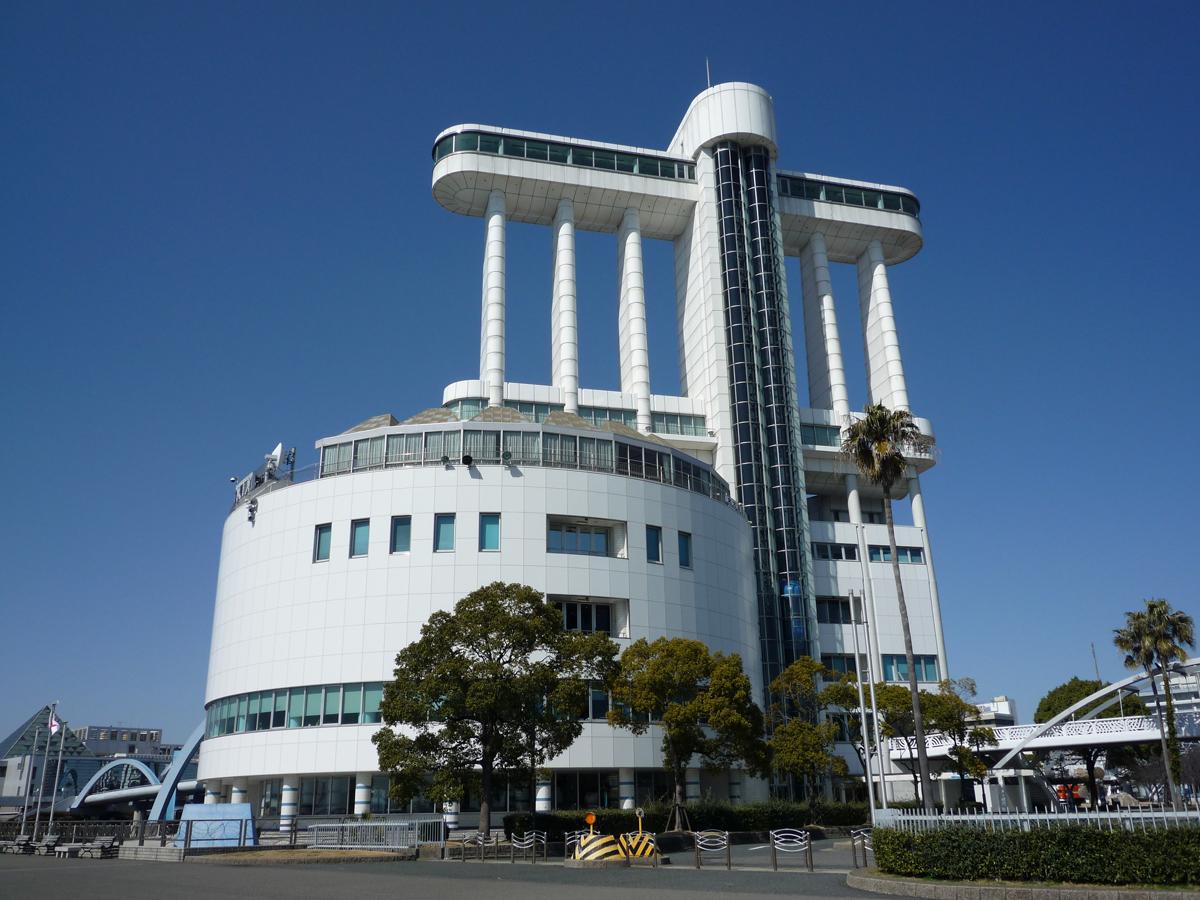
(351,704)
(312,706)
(372,698)
(489,531)
(401,534)
(280,717)
(295,708)
(573,537)
(321,539)
(895,668)
(360,530)
(333,704)
(599,701)
(840,663)
(586,617)
(653,544)
(833,610)
(834,551)
(443,532)
(685,550)
(911,555)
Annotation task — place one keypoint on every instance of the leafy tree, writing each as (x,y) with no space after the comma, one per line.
(952,713)
(894,706)
(877,444)
(802,746)
(703,700)
(1067,695)
(493,686)
(1155,637)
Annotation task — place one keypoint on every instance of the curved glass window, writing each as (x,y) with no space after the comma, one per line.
(355,703)
(829,192)
(564,154)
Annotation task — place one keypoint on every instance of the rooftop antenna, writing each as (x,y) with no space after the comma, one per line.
(707,72)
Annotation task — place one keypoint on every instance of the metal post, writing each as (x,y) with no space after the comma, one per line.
(57,773)
(37,817)
(862,709)
(37,734)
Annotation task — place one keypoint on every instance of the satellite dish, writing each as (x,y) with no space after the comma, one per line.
(468,459)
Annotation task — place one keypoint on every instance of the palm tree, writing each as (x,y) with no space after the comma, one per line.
(876,444)
(1155,637)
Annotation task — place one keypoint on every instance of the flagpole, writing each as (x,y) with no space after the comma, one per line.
(57,772)
(37,818)
(37,734)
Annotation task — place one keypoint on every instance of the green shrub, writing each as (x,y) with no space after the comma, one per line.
(1077,854)
(721,816)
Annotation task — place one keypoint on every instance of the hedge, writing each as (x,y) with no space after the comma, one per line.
(1074,854)
(722,816)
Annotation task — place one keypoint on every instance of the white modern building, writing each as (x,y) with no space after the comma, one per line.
(724,514)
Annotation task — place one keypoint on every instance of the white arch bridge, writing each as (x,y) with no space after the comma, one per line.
(1063,732)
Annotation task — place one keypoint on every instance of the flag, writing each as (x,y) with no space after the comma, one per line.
(54,724)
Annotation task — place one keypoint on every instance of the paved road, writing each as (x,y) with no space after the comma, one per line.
(36,877)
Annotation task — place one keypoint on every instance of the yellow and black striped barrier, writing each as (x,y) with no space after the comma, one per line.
(598,847)
(640,845)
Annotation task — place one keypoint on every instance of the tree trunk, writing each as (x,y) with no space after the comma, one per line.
(485,798)
(1089,761)
(1174,768)
(1162,737)
(918,718)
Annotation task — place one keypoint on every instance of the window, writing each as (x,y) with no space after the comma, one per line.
(360,530)
(585,616)
(840,663)
(489,531)
(312,706)
(372,698)
(912,555)
(821,435)
(333,704)
(895,668)
(443,532)
(833,611)
(324,534)
(351,704)
(834,551)
(401,534)
(579,537)
(685,550)
(653,544)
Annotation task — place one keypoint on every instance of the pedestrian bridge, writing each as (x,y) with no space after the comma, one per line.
(1063,736)
(1064,731)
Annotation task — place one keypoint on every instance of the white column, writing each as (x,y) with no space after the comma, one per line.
(885,371)
(635,356)
(492,349)
(917,501)
(237,791)
(450,814)
(289,802)
(691,785)
(362,793)
(563,324)
(826,368)
(626,788)
(543,801)
(212,792)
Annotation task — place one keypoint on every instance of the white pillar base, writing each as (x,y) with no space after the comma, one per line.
(362,793)
(289,802)
(626,788)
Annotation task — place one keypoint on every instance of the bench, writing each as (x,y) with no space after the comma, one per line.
(100,848)
(19,844)
(46,845)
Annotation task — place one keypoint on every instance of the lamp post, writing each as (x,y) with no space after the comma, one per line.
(862,708)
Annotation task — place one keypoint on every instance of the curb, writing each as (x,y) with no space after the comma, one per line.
(994,890)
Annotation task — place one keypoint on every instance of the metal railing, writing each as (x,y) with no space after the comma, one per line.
(364,836)
(1125,818)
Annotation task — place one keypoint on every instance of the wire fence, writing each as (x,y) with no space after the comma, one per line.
(364,836)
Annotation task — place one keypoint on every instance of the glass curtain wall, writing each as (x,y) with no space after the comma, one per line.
(761,397)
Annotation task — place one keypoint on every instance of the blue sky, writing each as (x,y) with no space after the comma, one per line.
(217,234)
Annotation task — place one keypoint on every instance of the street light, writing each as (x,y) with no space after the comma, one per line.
(862,709)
